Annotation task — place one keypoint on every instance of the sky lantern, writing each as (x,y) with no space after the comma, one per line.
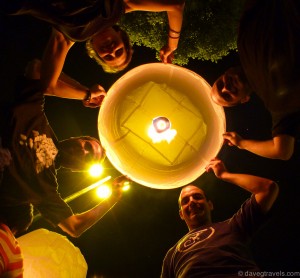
(159,125)
(49,254)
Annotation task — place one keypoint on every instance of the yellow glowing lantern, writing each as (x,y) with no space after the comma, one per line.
(159,126)
(49,254)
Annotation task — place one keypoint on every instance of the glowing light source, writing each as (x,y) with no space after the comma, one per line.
(160,130)
(157,137)
(86,189)
(104,191)
(126,186)
(161,124)
(96,170)
(135,121)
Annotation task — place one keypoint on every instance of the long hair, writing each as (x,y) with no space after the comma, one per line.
(128,49)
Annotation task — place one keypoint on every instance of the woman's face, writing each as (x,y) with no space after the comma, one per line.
(110,47)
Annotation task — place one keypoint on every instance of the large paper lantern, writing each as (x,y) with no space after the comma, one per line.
(49,254)
(159,126)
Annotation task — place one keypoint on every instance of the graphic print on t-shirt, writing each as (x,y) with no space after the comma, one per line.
(194,238)
(44,148)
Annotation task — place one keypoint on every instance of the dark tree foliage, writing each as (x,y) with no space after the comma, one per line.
(209,30)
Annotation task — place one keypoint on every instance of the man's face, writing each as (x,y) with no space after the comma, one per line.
(230,88)
(195,209)
(78,153)
(110,47)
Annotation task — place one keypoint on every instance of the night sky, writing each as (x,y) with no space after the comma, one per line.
(132,239)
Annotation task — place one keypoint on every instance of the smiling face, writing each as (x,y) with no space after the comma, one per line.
(110,47)
(195,209)
(231,88)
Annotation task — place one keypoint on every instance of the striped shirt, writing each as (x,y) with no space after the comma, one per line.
(11,260)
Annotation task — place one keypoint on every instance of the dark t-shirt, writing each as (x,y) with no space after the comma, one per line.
(31,176)
(216,250)
(269,50)
(79,20)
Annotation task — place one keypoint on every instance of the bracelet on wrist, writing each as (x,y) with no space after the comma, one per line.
(171,37)
(174,32)
(88,96)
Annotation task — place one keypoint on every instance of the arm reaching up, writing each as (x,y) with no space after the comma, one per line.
(174,9)
(67,87)
(279,147)
(77,224)
(53,60)
(264,190)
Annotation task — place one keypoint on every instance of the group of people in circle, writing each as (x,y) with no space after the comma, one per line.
(268,46)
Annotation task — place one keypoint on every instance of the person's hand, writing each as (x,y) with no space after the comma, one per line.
(166,54)
(97,96)
(217,166)
(233,139)
(117,187)
(5,158)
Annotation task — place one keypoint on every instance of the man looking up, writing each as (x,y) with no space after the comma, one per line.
(219,249)
(269,51)
(36,154)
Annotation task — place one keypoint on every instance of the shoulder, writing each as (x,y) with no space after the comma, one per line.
(249,217)
(250,205)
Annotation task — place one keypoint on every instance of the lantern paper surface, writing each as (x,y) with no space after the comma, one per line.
(192,132)
(49,254)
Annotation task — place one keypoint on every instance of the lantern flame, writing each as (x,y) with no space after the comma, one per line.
(160,130)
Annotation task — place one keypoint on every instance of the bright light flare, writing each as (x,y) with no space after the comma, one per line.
(161,124)
(160,130)
(86,189)
(126,186)
(104,191)
(96,170)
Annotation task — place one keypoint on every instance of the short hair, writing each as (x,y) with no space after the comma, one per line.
(242,74)
(17,218)
(87,137)
(204,193)
(128,49)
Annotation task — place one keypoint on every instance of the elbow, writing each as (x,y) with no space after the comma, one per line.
(284,146)
(73,232)
(284,155)
(272,190)
(71,226)
(180,6)
(267,195)
(48,90)
(285,158)
(270,195)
